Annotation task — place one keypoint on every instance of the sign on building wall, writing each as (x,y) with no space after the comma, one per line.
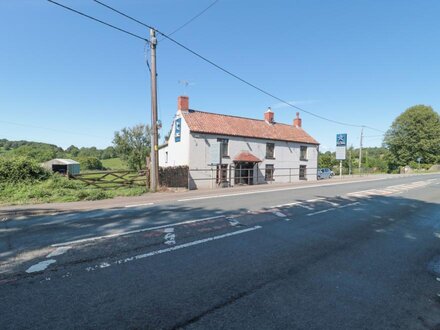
(178,129)
(341,146)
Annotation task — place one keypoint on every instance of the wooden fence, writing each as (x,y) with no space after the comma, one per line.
(113,179)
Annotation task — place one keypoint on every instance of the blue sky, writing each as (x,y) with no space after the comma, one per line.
(67,80)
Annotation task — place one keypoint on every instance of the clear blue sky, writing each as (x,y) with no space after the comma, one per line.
(67,80)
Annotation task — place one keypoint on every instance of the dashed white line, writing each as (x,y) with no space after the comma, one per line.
(137,205)
(90,239)
(59,251)
(40,266)
(174,248)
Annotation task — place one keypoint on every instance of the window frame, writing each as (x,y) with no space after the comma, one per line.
(224,147)
(269,169)
(301,148)
(267,150)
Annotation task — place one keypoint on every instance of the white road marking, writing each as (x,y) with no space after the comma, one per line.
(273,190)
(59,251)
(333,209)
(233,222)
(331,203)
(319,212)
(177,247)
(306,207)
(90,239)
(136,205)
(170,236)
(40,266)
(285,205)
(314,200)
(279,214)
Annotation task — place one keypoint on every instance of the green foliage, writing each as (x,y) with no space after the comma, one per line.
(327,160)
(90,163)
(57,188)
(20,169)
(133,144)
(415,133)
(108,153)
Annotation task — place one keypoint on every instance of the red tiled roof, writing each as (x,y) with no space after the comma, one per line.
(246,156)
(212,123)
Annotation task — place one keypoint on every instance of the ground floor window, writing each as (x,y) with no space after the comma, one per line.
(302,172)
(268,176)
(222,173)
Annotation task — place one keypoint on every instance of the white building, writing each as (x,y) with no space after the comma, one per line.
(230,150)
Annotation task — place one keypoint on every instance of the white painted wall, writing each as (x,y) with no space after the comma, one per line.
(178,152)
(286,158)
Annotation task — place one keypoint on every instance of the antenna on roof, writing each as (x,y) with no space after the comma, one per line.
(185,84)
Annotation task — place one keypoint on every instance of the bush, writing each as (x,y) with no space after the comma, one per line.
(90,163)
(21,169)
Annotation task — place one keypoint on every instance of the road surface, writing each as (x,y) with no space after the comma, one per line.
(342,256)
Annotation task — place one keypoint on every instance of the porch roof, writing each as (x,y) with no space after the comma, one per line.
(246,156)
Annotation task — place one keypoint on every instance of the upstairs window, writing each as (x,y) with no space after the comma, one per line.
(303,153)
(270,147)
(224,143)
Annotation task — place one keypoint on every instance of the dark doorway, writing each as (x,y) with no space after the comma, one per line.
(244,173)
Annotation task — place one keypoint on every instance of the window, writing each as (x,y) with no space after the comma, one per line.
(269,173)
(166,156)
(302,172)
(224,152)
(303,153)
(270,147)
(222,173)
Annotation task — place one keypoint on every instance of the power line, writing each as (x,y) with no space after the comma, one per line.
(234,75)
(193,18)
(223,69)
(98,20)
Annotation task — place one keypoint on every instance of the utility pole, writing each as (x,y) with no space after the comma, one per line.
(360,150)
(154,166)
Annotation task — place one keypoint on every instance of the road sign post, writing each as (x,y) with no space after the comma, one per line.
(341,150)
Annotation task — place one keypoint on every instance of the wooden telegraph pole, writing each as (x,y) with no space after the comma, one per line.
(154,167)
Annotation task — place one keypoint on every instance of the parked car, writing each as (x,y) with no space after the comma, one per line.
(325,173)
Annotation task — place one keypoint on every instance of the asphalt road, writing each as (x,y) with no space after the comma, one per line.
(354,255)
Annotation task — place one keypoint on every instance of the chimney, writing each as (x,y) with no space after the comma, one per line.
(297,121)
(269,116)
(183,103)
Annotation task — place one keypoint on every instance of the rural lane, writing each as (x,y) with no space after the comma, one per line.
(353,255)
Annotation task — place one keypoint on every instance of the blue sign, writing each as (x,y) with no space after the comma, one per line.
(177,129)
(341,140)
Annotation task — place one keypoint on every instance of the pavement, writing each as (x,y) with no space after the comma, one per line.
(171,195)
(333,255)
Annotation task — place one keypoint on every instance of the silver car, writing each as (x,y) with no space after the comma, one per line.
(325,173)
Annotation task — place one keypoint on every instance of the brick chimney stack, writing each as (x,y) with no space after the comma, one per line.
(269,116)
(297,121)
(183,103)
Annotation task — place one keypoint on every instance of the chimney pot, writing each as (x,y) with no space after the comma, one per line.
(269,116)
(297,122)
(183,103)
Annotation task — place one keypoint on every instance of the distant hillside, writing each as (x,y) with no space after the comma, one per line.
(45,151)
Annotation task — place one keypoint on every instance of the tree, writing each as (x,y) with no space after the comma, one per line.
(414,134)
(133,144)
(72,151)
(108,153)
(90,163)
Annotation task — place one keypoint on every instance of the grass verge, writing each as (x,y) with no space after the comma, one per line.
(58,189)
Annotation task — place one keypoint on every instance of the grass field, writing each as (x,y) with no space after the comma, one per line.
(114,164)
